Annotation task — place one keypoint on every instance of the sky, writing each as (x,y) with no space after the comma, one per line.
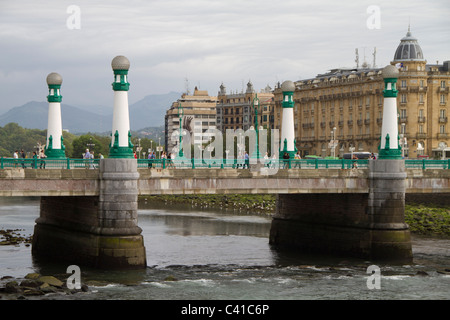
(176,45)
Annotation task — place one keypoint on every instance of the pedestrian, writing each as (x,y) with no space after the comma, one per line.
(274,162)
(23,156)
(286,160)
(354,162)
(297,159)
(87,156)
(135,155)
(100,156)
(42,156)
(151,158)
(266,160)
(91,161)
(247,160)
(16,156)
(34,163)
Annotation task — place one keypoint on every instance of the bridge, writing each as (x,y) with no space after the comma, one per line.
(77,177)
(88,209)
(89,215)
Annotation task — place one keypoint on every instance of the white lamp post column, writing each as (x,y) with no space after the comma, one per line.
(121,146)
(54,148)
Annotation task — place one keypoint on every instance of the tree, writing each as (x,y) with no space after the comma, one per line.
(94,143)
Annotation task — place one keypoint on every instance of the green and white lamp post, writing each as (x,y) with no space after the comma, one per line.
(390,147)
(121,146)
(54,148)
(287,142)
(256,107)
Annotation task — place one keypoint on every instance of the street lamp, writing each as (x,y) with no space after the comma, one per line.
(180,115)
(139,148)
(333,143)
(256,107)
(90,145)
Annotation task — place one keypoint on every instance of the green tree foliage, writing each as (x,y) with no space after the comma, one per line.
(14,137)
(95,143)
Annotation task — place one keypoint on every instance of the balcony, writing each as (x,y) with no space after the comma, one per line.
(421,119)
(421,136)
(350,122)
(442,119)
(403,119)
(442,136)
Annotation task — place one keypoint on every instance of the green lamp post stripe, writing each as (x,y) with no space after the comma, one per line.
(55,96)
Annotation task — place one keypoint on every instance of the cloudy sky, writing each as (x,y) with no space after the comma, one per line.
(206,42)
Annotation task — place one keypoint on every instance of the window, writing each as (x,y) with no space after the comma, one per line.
(420,128)
(442,100)
(421,98)
(403,98)
(403,83)
(443,84)
(421,83)
(403,113)
(442,128)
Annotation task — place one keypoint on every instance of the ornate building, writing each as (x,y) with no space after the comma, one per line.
(343,108)
(236,110)
(198,113)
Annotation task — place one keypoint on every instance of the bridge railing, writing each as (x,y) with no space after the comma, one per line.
(69,163)
(240,163)
(427,164)
(35,163)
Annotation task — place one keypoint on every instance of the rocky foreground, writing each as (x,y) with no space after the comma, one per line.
(33,285)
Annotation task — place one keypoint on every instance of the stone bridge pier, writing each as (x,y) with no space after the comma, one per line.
(98,231)
(364,225)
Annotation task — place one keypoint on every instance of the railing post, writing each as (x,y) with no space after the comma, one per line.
(316,163)
(68,163)
(164,163)
(2,163)
(343,163)
(423,164)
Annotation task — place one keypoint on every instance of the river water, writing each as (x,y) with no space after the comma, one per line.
(222,255)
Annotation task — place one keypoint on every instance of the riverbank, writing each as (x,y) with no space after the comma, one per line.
(433,220)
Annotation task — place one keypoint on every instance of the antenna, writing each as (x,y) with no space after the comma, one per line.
(186,86)
(374,56)
(357,58)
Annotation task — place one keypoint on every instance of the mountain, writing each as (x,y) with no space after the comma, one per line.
(148,112)
(34,115)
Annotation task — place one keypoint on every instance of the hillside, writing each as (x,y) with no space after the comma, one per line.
(148,112)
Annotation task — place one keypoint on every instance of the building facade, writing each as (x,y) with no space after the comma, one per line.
(341,110)
(198,115)
(237,110)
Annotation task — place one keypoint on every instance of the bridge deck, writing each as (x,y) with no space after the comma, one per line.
(86,182)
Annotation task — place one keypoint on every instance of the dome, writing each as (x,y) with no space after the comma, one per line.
(120,63)
(54,78)
(409,49)
(390,71)
(288,86)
